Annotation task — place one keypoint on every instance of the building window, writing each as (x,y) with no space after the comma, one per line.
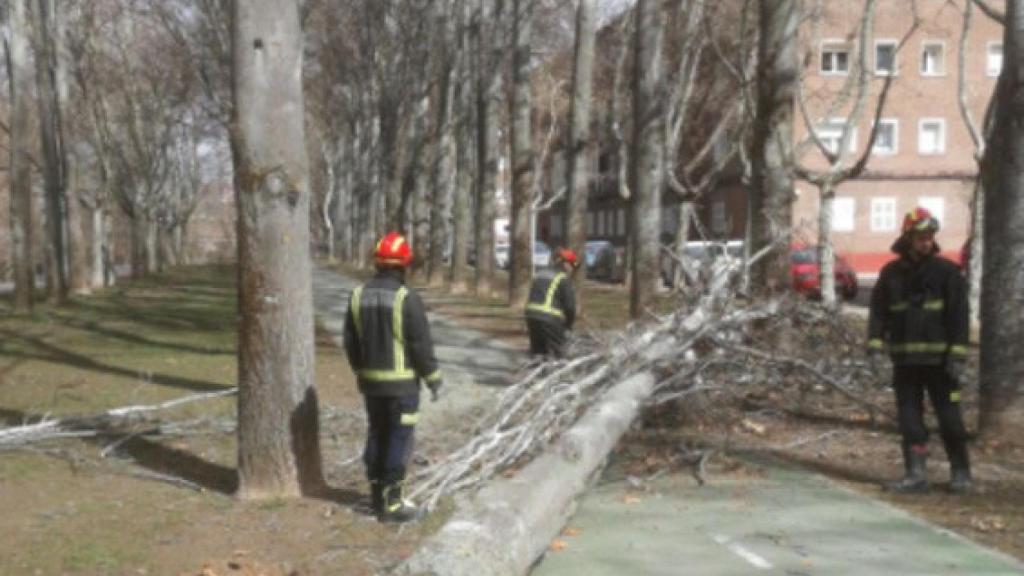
(556,224)
(830,133)
(883,214)
(934,204)
(591,223)
(933,59)
(888,137)
(885,57)
(994,59)
(835,58)
(931,136)
(622,222)
(843,212)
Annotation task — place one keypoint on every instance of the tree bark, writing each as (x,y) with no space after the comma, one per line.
(53,151)
(99,233)
(647,156)
(772,192)
(826,256)
(1002,298)
(521,270)
(580,146)
(461,216)
(278,415)
(20,167)
(489,90)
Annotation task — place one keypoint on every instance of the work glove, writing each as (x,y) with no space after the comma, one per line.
(435,388)
(955,370)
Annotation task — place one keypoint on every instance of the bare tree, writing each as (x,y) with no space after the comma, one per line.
(278,443)
(771,196)
(490,55)
(464,143)
(580,147)
(520,126)
(1002,323)
(647,157)
(20,160)
(53,146)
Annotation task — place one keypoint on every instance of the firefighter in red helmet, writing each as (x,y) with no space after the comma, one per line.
(551,308)
(919,314)
(387,340)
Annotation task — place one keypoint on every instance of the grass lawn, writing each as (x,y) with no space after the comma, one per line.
(67,510)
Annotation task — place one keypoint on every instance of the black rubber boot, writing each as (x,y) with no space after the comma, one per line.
(915,480)
(376,497)
(960,480)
(397,509)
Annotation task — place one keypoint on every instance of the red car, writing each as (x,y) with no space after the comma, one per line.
(804,270)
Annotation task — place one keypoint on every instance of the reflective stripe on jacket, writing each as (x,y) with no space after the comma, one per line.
(919,311)
(552,298)
(387,337)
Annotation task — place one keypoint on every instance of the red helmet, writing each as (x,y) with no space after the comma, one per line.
(920,220)
(393,251)
(568,256)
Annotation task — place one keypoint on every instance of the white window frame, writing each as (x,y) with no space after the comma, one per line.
(838,125)
(836,44)
(844,225)
(934,204)
(989,70)
(883,220)
(942,136)
(895,57)
(942,57)
(895,123)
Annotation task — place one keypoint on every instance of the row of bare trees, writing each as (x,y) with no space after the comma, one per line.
(121,133)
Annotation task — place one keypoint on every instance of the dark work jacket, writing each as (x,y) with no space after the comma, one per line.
(552,298)
(919,309)
(387,337)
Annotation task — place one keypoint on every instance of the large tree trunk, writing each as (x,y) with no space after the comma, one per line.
(580,146)
(80,275)
(685,217)
(647,156)
(461,217)
(98,240)
(278,415)
(826,256)
(442,166)
(20,168)
(1002,298)
(139,231)
(772,191)
(489,91)
(54,158)
(521,270)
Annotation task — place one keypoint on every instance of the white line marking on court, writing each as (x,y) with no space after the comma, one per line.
(737,549)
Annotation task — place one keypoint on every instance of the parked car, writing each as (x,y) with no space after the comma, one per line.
(805,271)
(501,256)
(604,261)
(541,254)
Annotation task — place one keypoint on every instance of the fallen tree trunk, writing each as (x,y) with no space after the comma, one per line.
(506,526)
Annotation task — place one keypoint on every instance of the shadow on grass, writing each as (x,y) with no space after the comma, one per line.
(50,353)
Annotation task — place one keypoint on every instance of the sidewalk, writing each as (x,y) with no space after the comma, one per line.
(778,520)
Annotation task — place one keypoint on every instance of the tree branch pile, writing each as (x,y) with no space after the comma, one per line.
(717,340)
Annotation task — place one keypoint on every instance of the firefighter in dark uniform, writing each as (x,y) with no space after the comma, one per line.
(388,343)
(551,309)
(919,311)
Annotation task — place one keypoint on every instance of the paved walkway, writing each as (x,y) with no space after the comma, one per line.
(786,521)
(475,366)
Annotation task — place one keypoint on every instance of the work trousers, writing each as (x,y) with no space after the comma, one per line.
(390,436)
(910,382)
(547,336)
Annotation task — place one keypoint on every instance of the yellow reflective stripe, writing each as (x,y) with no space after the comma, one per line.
(958,350)
(954,396)
(433,376)
(934,305)
(386,375)
(410,419)
(396,325)
(355,305)
(899,307)
(917,347)
(876,344)
(549,298)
